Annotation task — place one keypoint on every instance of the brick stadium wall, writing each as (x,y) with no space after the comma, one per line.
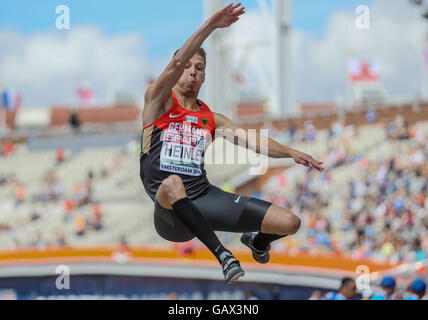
(61,115)
(357,118)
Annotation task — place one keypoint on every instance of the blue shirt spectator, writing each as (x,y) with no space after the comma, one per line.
(417,289)
(347,290)
(388,287)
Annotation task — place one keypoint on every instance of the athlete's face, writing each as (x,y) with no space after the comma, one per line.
(193,76)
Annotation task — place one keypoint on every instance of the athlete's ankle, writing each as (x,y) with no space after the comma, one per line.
(222,253)
(262,241)
(260,245)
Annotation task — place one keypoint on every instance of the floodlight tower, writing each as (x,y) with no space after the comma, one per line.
(281,94)
(215,63)
(283,100)
(420,94)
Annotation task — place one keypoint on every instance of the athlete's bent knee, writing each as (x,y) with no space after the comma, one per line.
(175,179)
(174,188)
(170,182)
(295,223)
(291,226)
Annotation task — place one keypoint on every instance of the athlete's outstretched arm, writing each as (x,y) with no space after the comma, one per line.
(160,90)
(235,135)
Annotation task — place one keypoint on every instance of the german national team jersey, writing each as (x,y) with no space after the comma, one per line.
(176,144)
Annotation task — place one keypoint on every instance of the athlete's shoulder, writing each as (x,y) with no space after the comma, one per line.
(223,122)
(153,113)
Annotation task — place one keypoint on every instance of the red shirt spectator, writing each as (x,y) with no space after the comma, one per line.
(96,208)
(59,155)
(8,148)
(68,207)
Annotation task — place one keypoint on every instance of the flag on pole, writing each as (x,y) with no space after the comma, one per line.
(11,100)
(85,95)
(363,71)
(7,99)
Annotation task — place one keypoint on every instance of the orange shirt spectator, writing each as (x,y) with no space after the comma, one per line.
(420,199)
(79,222)
(312,221)
(68,206)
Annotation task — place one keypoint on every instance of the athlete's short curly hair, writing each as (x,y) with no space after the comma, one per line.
(200,52)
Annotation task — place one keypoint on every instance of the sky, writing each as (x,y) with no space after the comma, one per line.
(163,25)
(117,45)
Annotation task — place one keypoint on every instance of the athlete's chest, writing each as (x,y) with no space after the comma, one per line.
(183,148)
(187,122)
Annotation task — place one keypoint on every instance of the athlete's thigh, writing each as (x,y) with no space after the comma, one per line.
(231,212)
(280,221)
(169,226)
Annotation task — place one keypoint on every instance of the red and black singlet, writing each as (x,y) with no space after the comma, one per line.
(176,144)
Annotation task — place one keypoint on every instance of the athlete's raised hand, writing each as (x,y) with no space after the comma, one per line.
(307,161)
(227,16)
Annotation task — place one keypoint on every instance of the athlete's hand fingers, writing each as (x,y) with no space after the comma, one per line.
(232,10)
(316,164)
(239,12)
(312,159)
(236,6)
(227,16)
(319,168)
(302,162)
(235,16)
(309,161)
(226,9)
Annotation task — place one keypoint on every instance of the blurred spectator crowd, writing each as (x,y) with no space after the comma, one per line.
(383,206)
(79,207)
(379,211)
(389,289)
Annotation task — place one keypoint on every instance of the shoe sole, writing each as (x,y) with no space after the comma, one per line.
(236,277)
(261,262)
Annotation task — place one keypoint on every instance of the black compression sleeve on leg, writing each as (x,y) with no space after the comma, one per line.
(194,220)
(263,240)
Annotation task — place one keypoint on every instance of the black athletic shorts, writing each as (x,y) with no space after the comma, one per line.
(224,211)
